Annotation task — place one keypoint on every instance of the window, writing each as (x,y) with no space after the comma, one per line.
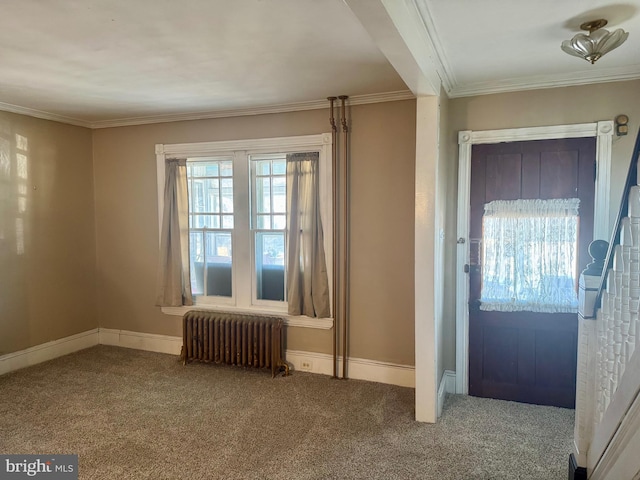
(268,224)
(237,198)
(210,186)
(529,251)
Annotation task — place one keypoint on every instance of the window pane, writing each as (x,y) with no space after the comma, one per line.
(227,221)
(227,195)
(263,167)
(226,169)
(212,200)
(210,195)
(279,167)
(196,260)
(279,194)
(198,169)
(279,222)
(219,259)
(218,247)
(264,222)
(263,194)
(270,266)
(212,169)
(196,192)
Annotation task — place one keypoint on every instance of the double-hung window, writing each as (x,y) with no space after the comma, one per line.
(268,226)
(237,218)
(210,186)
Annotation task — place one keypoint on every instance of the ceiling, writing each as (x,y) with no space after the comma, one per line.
(500,45)
(102,63)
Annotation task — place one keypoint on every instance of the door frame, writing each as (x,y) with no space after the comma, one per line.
(603,131)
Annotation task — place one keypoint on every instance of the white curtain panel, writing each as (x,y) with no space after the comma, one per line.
(529,256)
(307,280)
(174,283)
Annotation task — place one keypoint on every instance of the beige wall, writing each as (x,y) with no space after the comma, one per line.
(382,222)
(584,104)
(50,287)
(47,236)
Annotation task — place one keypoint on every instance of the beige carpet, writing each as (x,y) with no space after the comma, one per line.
(131,414)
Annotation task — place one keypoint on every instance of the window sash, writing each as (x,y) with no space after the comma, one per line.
(217,210)
(267,169)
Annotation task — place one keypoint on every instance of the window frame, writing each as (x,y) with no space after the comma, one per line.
(241,150)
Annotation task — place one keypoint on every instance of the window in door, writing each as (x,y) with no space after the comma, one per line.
(529,251)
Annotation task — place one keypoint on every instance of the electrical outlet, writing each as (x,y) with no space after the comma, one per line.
(306,366)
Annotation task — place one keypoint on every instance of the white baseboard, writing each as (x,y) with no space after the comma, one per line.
(141,341)
(321,363)
(447,385)
(357,368)
(48,351)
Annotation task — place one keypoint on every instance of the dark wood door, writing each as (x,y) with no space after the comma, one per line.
(526,356)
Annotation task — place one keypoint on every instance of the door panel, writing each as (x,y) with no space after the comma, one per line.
(500,354)
(530,170)
(558,174)
(559,363)
(526,356)
(502,181)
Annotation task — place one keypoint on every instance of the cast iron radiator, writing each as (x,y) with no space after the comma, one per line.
(234,339)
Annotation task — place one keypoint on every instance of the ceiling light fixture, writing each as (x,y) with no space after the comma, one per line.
(596,43)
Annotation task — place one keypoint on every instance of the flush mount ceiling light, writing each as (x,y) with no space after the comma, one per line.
(596,43)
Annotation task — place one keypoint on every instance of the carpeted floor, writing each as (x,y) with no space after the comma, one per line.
(137,415)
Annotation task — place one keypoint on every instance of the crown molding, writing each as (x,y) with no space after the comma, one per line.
(443,67)
(240,112)
(31,112)
(547,81)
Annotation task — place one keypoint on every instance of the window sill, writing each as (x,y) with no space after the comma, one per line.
(289,320)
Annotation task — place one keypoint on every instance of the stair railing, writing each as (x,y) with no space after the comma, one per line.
(608,347)
(632,180)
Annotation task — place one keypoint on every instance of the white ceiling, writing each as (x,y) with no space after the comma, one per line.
(108,59)
(500,45)
(110,62)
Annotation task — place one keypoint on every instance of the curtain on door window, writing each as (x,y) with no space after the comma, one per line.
(529,250)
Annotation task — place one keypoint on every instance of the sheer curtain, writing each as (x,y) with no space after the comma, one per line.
(307,280)
(529,250)
(174,283)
